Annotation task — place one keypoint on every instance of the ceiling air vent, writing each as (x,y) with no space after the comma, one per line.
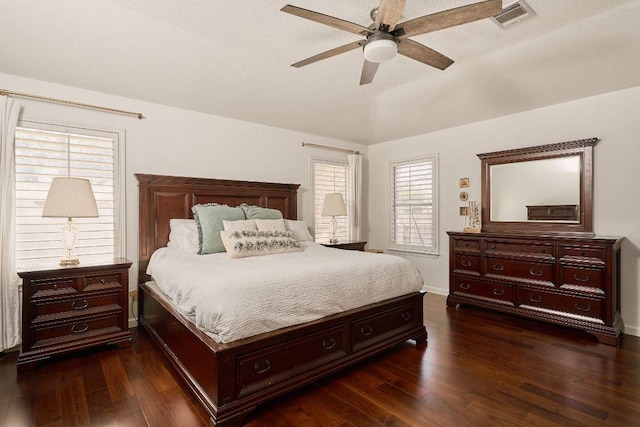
(513,13)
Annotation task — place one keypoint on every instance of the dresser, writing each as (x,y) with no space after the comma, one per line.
(569,281)
(72,308)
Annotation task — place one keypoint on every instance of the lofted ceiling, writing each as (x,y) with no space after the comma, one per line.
(232,59)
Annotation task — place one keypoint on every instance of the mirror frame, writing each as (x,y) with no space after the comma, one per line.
(582,148)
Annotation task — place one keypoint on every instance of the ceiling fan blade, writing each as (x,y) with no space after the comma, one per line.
(450,18)
(389,12)
(328,54)
(340,24)
(368,72)
(421,53)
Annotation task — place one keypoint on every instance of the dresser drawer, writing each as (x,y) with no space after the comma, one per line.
(265,367)
(545,249)
(467,264)
(582,306)
(584,253)
(582,276)
(484,289)
(72,306)
(372,329)
(47,287)
(49,334)
(523,270)
(467,245)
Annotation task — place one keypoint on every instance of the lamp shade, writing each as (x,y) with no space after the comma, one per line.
(70,198)
(333,205)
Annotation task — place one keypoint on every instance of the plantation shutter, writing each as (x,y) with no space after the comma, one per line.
(413,205)
(329,176)
(48,151)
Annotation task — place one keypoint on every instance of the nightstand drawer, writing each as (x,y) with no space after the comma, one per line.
(41,288)
(96,282)
(75,305)
(55,333)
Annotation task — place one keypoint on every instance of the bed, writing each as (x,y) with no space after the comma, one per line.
(231,379)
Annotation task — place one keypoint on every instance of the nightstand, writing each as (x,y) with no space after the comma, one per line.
(72,308)
(350,245)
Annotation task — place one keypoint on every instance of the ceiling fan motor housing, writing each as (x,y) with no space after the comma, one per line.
(380,47)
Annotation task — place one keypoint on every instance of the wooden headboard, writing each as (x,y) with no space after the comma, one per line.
(162,198)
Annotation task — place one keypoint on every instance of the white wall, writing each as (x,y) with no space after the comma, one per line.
(613,117)
(172,141)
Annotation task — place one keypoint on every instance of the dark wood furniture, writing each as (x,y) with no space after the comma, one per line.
(72,308)
(583,149)
(350,245)
(231,379)
(569,281)
(556,271)
(552,213)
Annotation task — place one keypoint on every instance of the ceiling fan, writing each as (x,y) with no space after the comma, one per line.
(386,37)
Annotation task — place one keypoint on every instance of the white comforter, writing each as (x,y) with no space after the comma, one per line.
(232,299)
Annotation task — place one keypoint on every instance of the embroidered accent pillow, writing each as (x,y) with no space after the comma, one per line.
(241,244)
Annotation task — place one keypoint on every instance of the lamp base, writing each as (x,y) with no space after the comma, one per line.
(333,240)
(67,262)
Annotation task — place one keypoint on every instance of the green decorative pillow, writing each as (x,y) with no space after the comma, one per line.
(245,243)
(256,212)
(209,219)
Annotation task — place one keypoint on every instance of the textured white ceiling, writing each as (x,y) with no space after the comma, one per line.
(232,58)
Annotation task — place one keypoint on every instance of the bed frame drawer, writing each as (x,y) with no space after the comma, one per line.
(267,367)
(372,329)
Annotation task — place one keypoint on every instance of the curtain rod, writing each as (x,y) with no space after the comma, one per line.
(5,92)
(327,147)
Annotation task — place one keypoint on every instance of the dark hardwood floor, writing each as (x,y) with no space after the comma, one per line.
(478,369)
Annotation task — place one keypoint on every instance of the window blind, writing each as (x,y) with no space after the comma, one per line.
(413,205)
(329,176)
(44,153)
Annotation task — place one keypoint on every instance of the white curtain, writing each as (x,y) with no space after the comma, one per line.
(9,280)
(355,196)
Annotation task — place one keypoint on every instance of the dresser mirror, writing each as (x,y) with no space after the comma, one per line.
(542,189)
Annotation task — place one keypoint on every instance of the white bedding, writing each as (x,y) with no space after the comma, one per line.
(232,299)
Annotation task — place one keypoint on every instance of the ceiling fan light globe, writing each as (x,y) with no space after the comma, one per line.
(380,50)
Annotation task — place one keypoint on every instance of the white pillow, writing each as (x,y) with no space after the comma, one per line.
(270,225)
(240,225)
(183,235)
(299,229)
(241,244)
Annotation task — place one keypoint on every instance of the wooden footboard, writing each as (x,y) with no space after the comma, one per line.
(230,380)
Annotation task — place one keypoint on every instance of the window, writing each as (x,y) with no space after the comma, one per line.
(45,151)
(329,176)
(413,204)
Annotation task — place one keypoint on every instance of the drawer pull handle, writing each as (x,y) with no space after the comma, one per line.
(55,286)
(493,246)
(586,308)
(366,330)
(498,292)
(329,345)
(466,263)
(465,286)
(405,316)
(84,305)
(536,273)
(580,279)
(104,282)
(498,267)
(535,299)
(258,370)
(79,331)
